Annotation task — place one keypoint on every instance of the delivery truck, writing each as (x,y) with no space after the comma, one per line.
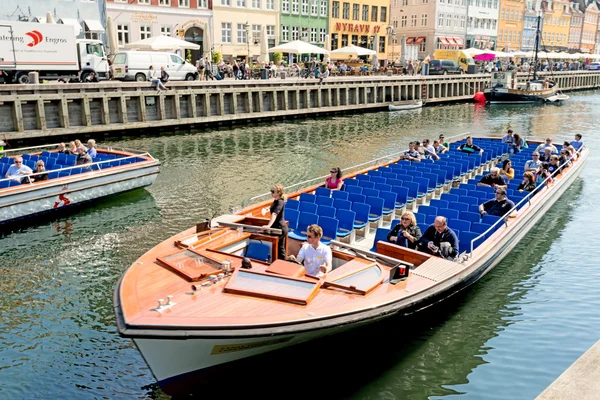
(463,59)
(49,49)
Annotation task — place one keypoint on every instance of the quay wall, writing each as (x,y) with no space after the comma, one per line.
(45,110)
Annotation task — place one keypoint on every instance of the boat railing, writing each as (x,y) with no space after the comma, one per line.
(55,145)
(21,149)
(526,199)
(355,168)
(85,166)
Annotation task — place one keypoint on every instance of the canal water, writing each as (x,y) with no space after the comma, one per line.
(507,337)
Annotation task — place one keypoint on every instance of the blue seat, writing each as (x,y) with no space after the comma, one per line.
(115,163)
(362,211)
(366,184)
(62,158)
(430,218)
(383,187)
(371,192)
(425,185)
(26,157)
(338,194)
(71,159)
(459,192)
(469,216)
(413,190)
(346,222)
(468,186)
(53,175)
(340,204)
(394,222)
(480,227)
(76,171)
(394,182)
(389,175)
(464,241)
(322,191)
(428,210)
(354,189)
(291,216)
(292,204)
(53,155)
(389,202)
(307,207)
(62,174)
(362,177)
(479,194)
(326,211)
(490,219)
(376,212)
(487,189)
(304,221)
(420,218)
(458,206)
(258,251)
(474,208)
(469,200)
(423,227)
(4,184)
(374,173)
(449,197)
(330,228)
(401,195)
(448,213)
(460,225)
(357,198)
(324,201)
(380,235)
(350,182)
(438,203)
(307,197)
(378,179)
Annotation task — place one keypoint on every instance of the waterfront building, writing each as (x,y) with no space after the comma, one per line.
(482,25)
(557,19)
(362,23)
(530,16)
(575,28)
(510,24)
(239,26)
(141,19)
(306,20)
(88,18)
(431,24)
(590,25)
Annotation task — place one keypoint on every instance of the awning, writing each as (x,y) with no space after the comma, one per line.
(443,40)
(451,41)
(410,40)
(73,22)
(419,39)
(93,25)
(458,41)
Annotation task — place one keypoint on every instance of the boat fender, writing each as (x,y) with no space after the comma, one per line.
(398,273)
(479,97)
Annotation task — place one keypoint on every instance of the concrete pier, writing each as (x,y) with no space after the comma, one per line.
(581,381)
(33,111)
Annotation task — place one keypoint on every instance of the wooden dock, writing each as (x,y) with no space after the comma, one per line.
(45,110)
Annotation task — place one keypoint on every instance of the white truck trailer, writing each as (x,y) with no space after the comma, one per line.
(49,49)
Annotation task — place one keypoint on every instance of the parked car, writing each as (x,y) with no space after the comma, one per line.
(134,65)
(444,67)
(595,66)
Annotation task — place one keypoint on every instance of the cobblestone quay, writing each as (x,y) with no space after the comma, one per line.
(35,111)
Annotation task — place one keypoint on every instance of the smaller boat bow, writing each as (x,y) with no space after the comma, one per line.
(406,105)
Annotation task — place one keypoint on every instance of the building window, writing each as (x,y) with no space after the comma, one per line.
(225,2)
(242,33)
(344,40)
(356,12)
(270,4)
(322,34)
(304,7)
(383,14)
(314,8)
(413,20)
(256,33)
(285,6)
(122,34)
(255,3)
(334,41)
(365,13)
(270,31)
(184,3)
(313,35)
(295,33)
(423,19)
(441,19)
(164,3)
(226,32)
(202,3)
(335,9)
(374,14)
(145,31)
(404,19)
(241,3)
(448,20)
(395,3)
(165,30)
(462,21)
(346,11)
(324,12)
(456,21)
(422,45)
(355,40)
(295,6)
(285,33)
(381,44)
(143,1)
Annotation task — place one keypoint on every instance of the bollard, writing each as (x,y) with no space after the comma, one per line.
(388,72)
(282,75)
(34,77)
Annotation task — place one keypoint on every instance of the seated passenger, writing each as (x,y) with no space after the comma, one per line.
(407,233)
(91,150)
(443,141)
(546,155)
(492,179)
(439,148)
(519,144)
(534,164)
(542,174)
(411,154)
(554,165)
(439,240)
(315,256)
(469,147)
(83,157)
(509,138)
(567,146)
(548,144)
(429,150)
(577,143)
(498,206)
(528,183)
(72,149)
(334,181)
(18,171)
(62,149)
(507,170)
(39,167)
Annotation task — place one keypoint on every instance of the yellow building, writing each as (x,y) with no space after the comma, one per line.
(362,23)
(557,22)
(510,24)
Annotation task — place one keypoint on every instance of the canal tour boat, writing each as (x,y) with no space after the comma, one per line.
(113,171)
(207,298)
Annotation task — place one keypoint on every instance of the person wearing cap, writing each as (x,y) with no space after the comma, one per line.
(334,181)
(314,255)
(469,147)
(18,171)
(498,206)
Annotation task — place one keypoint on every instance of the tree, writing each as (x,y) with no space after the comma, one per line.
(277,57)
(188,56)
(216,57)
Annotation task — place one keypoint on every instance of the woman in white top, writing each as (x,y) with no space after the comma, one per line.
(155,79)
(315,256)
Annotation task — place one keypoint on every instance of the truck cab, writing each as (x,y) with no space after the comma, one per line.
(92,58)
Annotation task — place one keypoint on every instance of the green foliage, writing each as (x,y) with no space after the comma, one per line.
(277,57)
(188,56)
(216,57)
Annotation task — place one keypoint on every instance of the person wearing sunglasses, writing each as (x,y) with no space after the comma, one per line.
(498,206)
(492,179)
(407,233)
(18,171)
(439,240)
(39,167)
(276,221)
(533,164)
(334,181)
(314,255)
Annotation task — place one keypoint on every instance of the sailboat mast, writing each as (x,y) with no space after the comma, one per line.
(537,42)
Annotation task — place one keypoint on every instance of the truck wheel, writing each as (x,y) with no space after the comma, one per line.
(83,76)
(140,78)
(23,78)
(190,77)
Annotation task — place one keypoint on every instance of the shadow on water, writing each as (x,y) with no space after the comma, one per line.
(442,344)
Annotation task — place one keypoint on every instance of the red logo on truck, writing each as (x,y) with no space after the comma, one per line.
(36,36)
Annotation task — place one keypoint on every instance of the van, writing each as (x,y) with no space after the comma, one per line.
(462,58)
(134,65)
(444,67)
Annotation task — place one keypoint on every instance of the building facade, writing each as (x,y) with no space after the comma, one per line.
(510,25)
(590,26)
(557,19)
(530,22)
(362,23)
(575,28)
(451,24)
(306,20)
(239,27)
(482,24)
(140,19)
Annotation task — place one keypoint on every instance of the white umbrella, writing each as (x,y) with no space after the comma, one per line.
(298,47)
(472,51)
(264,45)
(49,18)
(162,43)
(111,37)
(352,51)
(327,46)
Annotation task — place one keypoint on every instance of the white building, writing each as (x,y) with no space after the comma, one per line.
(482,26)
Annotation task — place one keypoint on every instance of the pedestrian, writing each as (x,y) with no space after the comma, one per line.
(201,65)
(155,79)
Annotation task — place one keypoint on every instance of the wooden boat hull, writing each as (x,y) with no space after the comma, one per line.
(508,96)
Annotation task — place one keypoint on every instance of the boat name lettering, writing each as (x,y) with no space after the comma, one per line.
(229,348)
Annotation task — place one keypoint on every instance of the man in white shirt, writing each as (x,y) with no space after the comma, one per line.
(533,165)
(18,170)
(315,256)
(547,145)
(429,150)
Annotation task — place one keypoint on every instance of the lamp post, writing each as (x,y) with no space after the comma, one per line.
(247,26)
(391,32)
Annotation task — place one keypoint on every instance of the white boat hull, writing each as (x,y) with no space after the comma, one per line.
(402,107)
(56,194)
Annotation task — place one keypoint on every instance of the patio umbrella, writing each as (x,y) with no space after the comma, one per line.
(162,43)
(49,18)
(111,37)
(471,51)
(327,47)
(352,51)
(298,47)
(264,45)
(484,57)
